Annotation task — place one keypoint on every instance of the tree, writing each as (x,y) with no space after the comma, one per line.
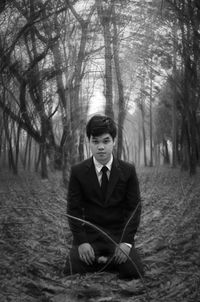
(120,86)
(37,72)
(105,9)
(52,54)
(189,53)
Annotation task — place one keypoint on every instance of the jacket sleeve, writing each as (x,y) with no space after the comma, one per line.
(75,209)
(132,208)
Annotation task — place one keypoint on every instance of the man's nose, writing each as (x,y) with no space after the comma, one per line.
(100,146)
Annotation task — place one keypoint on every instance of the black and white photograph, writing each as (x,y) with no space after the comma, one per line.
(99,150)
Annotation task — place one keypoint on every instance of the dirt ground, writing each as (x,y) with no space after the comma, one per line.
(35,239)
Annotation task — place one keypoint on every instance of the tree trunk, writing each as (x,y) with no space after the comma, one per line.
(29,152)
(174,105)
(81,144)
(150,116)
(4,151)
(44,171)
(8,134)
(105,19)
(38,159)
(166,152)
(192,144)
(24,159)
(121,102)
(1,135)
(197,124)
(77,110)
(144,138)
(137,150)
(17,145)
(190,100)
(184,146)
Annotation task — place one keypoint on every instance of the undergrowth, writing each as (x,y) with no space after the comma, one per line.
(35,240)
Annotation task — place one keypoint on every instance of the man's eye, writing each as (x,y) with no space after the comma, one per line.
(95,142)
(106,141)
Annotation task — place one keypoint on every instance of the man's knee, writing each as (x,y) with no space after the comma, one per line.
(133,267)
(73,263)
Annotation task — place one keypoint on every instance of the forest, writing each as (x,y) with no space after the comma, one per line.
(137,61)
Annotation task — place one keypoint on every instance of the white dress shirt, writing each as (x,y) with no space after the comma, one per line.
(99,166)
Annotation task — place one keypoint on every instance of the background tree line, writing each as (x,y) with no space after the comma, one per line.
(144,57)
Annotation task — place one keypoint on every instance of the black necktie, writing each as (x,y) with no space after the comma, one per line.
(104,181)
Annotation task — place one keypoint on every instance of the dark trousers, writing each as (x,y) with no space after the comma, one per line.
(131,269)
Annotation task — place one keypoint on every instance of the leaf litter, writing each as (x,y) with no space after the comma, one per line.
(35,240)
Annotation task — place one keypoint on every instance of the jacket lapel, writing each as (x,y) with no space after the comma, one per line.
(114,176)
(92,176)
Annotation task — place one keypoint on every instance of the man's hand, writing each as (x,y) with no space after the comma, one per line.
(86,253)
(121,253)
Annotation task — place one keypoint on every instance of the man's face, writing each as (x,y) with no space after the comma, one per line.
(101,147)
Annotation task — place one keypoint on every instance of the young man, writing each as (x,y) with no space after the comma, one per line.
(103,191)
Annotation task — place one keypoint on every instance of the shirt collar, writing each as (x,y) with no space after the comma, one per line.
(99,166)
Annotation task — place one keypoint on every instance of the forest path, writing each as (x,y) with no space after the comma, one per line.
(35,240)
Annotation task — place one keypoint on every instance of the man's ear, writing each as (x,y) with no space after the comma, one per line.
(114,141)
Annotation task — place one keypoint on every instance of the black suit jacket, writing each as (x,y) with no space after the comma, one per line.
(118,215)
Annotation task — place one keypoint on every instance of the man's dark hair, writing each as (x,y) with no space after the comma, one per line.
(101,124)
